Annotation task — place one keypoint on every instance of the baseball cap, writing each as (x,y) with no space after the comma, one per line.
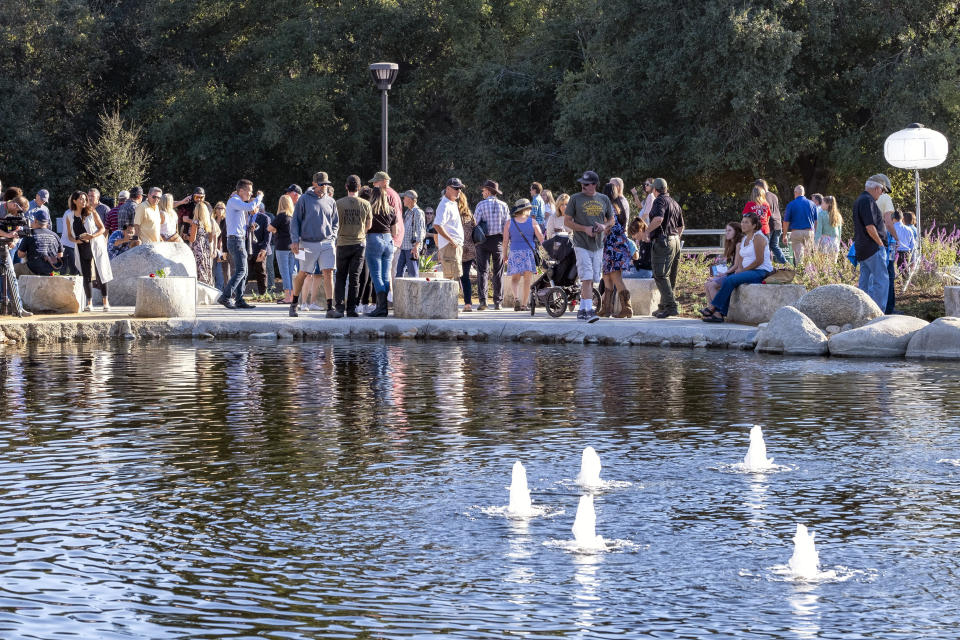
(136,192)
(378,176)
(455,183)
(881,179)
(43,193)
(123,195)
(199,192)
(40,215)
(294,187)
(589,177)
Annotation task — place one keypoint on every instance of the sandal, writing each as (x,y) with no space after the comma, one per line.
(707,311)
(516,306)
(712,318)
(524,308)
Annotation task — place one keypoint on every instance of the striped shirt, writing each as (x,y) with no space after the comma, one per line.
(494,212)
(414,228)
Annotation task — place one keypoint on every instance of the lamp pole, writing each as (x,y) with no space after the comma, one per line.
(384,74)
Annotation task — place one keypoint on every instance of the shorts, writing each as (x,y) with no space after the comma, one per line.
(318,255)
(451,261)
(589,263)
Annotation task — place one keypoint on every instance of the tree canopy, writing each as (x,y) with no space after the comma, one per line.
(707,93)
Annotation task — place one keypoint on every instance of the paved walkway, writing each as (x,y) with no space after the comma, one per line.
(272,320)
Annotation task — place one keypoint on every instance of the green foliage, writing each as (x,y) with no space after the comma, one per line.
(116,160)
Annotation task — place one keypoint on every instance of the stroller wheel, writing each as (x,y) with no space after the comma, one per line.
(533,303)
(596,298)
(556,302)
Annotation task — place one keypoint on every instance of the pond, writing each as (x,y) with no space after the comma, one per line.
(356,490)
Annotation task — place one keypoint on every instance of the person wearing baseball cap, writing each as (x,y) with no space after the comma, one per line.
(450,230)
(382,179)
(588,215)
(666,227)
(868,244)
(39,203)
(885,205)
(42,250)
(294,191)
(414,232)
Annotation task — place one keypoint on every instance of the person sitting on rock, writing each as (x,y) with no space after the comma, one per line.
(121,240)
(752,265)
(42,250)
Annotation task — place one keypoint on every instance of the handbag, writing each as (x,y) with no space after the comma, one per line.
(781,276)
(479,232)
(536,254)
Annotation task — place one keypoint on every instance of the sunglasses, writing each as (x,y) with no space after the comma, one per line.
(647,184)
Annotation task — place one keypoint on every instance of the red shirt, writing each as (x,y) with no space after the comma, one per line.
(763,212)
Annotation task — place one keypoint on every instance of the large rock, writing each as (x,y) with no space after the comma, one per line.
(174,257)
(793,333)
(756,303)
(939,339)
(838,304)
(951,301)
(419,298)
(883,337)
(644,296)
(51,294)
(169,297)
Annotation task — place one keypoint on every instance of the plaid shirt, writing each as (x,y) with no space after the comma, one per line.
(126,213)
(494,212)
(414,228)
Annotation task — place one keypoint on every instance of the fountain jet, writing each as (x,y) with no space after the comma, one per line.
(756,459)
(805,562)
(589,475)
(520,504)
(585,526)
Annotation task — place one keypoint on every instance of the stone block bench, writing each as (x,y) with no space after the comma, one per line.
(169,297)
(51,294)
(644,296)
(422,298)
(951,301)
(756,303)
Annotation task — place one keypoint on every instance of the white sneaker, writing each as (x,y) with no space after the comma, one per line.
(368,308)
(89,308)
(313,307)
(106,308)
(390,296)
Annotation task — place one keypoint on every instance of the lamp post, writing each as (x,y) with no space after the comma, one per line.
(384,73)
(915,147)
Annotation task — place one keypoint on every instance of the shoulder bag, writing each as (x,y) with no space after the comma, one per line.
(536,254)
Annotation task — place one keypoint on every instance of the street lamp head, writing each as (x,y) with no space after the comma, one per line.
(384,73)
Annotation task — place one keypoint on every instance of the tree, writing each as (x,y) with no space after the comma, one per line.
(117,159)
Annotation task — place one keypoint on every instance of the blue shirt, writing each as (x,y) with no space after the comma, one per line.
(237,215)
(31,212)
(494,212)
(801,214)
(536,212)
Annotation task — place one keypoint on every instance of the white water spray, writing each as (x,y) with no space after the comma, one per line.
(589,475)
(805,562)
(520,503)
(585,526)
(756,459)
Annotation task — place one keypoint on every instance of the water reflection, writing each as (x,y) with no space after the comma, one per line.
(235,490)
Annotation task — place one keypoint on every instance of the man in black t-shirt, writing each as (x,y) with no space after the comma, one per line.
(869,246)
(664,231)
(42,250)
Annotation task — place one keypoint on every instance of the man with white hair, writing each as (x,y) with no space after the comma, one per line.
(869,245)
(799,220)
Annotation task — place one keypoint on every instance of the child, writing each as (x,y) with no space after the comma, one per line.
(905,241)
(640,246)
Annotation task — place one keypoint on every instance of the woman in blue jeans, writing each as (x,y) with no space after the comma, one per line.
(752,265)
(286,260)
(379,254)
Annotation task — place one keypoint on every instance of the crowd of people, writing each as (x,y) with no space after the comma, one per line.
(347,251)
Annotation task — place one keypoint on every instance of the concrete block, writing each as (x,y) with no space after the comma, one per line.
(51,294)
(644,296)
(951,301)
(420,298)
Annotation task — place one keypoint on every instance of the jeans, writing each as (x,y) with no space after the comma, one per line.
(490,248)
(721,301)
(69,265)
(406,262)
(775,250)
(237,249)
(349,263)
(218,274)
(288,268)
(379,258)
(891,288)
(271,273)
(465,282)
(665,259)
(874,279)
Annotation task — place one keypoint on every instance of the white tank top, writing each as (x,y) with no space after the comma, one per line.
(748,256)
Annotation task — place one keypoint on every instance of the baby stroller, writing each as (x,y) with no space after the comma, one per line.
(558,286)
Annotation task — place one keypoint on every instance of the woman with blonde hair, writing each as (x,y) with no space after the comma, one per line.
(287,262)
(168,219)
(827,235)
(201,239)
(469,249)
(555,222)
(758,205)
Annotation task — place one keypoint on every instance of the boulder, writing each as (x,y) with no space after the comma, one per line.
(174,257)
(169,297)
(756,303)
(420,298)
(838,304)
(205,294)
(883,337)
(791,332)
(939,339)
(951,301)
(51,294)
(644,296)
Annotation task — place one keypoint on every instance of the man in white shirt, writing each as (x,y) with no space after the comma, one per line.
(450,230)
(238,206)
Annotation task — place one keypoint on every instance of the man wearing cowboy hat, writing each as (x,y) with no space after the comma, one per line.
(314,228)
(450,230)
(493,213)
